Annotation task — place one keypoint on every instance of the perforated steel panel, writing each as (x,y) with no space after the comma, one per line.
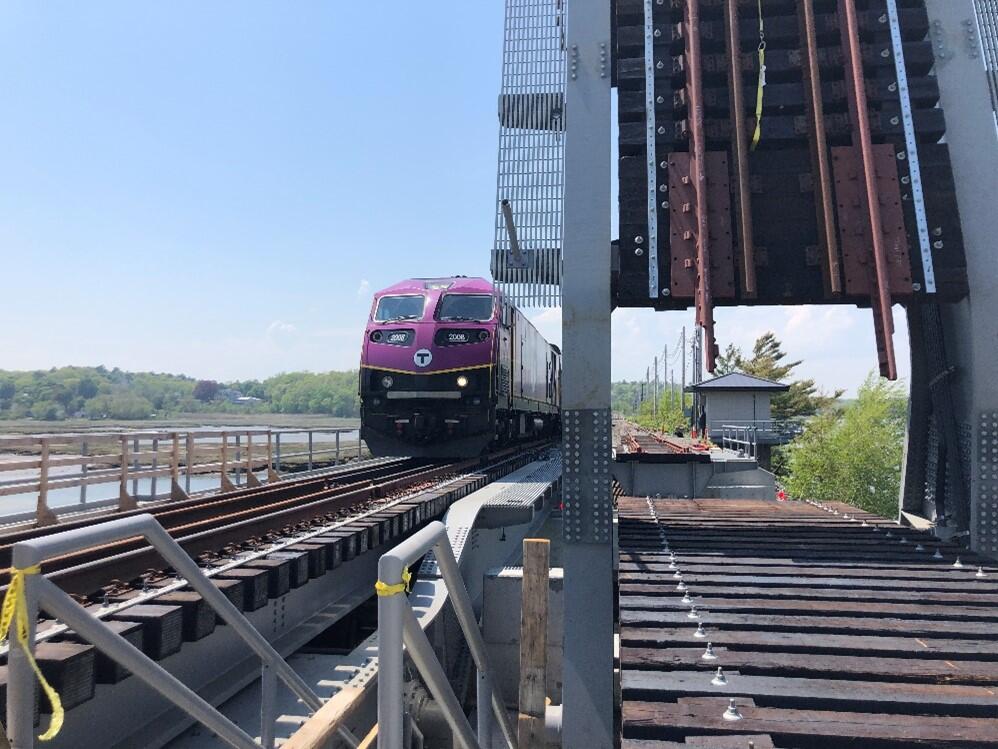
(531,170)
(586,489)
(987,19)
(986,540)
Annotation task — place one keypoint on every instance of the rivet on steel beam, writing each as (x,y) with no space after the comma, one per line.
(937,554)
(732,712)
(701,632)
(709,654)
(958,564)
(980,572)
(719,679)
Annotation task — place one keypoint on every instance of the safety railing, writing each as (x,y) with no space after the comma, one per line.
(741,439)
(398,627)
(36,591)
(134,463)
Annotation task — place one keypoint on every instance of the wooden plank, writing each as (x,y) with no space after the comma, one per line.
(965,583)
(802,643)
(828,694)
(648,719)
(533,643)
(654,585)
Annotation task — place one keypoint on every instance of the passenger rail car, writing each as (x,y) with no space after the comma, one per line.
(448,368)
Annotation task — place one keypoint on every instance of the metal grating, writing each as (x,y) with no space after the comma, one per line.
(987,18)
(531,170)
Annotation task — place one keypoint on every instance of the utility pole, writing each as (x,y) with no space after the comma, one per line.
(672,388)
(655,391)
(682,388)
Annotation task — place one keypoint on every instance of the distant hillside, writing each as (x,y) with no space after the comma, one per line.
(101,393)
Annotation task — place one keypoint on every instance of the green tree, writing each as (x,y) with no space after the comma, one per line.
(854,454)
(729,361)
(769,361)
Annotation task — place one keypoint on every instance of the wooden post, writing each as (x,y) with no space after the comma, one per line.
(125,500)
(84,469)
(533,643)
(155,467)
(43,514)
(227,485)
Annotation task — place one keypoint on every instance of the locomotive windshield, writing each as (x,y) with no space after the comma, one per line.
(391,308)
(477,307)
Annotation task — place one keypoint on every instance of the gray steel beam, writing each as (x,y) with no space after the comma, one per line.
(970,330)
(588,633)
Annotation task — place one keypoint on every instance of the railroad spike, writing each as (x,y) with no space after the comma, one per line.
(693,612)
(686,597)
(919,547)
(958,564)
(937,554)
(719,680)
(980,572)
(709,654)
(701,632)
(681,586)
(732,712)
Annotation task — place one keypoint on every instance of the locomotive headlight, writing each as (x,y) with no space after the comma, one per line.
(462,381)
(387,382)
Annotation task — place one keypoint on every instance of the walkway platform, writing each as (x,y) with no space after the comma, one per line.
(831,628)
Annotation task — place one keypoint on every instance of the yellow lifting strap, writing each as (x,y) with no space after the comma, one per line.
(757,135)
(384,589)
(15,609)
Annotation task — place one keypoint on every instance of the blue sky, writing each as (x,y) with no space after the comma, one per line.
(216,188)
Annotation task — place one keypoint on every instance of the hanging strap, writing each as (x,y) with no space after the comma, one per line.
(384,589)
(757,135)
(15,610)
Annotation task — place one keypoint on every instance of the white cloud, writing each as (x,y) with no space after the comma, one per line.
(364,289)
(282,333)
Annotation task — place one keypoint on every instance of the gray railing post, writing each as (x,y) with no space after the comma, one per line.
(238,455)
(310,449)
(277,445)
(188,462)
(135,466)
(390,676)
(21,701)
(360,447)
(336,461)
(155,465)
(84,469)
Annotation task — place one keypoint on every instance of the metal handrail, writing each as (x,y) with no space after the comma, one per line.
(398,627)
(40,592)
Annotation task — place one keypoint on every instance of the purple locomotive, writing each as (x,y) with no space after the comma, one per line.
(448,368)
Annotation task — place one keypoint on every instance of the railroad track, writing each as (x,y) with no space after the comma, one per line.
(205,527)
(796,625)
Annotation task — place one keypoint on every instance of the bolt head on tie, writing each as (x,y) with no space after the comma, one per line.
(903,540)
(686,597)
(677,574)
(719,680)
(919,547)
(980,572)
(693,612)
(732,712)
(958,564)
(709,654)
(937,554)
(701,633)
(680,586)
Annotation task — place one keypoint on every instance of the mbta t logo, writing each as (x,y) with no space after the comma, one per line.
(423,357)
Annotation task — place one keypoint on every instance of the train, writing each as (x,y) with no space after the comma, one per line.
(449,369)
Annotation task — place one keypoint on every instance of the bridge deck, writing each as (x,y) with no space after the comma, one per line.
(832,628)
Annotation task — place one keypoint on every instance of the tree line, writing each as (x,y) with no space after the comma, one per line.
(102,393)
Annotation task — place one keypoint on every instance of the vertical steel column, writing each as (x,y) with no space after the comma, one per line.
(587,520)
(21,702)
(84,469)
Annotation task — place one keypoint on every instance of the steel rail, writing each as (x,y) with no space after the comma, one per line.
(741,150)
(88,570)
(881,298)
(694,84)
(819,145)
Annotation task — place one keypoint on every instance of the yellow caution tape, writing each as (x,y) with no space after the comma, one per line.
(384,589)
(15,609)
(757,135)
